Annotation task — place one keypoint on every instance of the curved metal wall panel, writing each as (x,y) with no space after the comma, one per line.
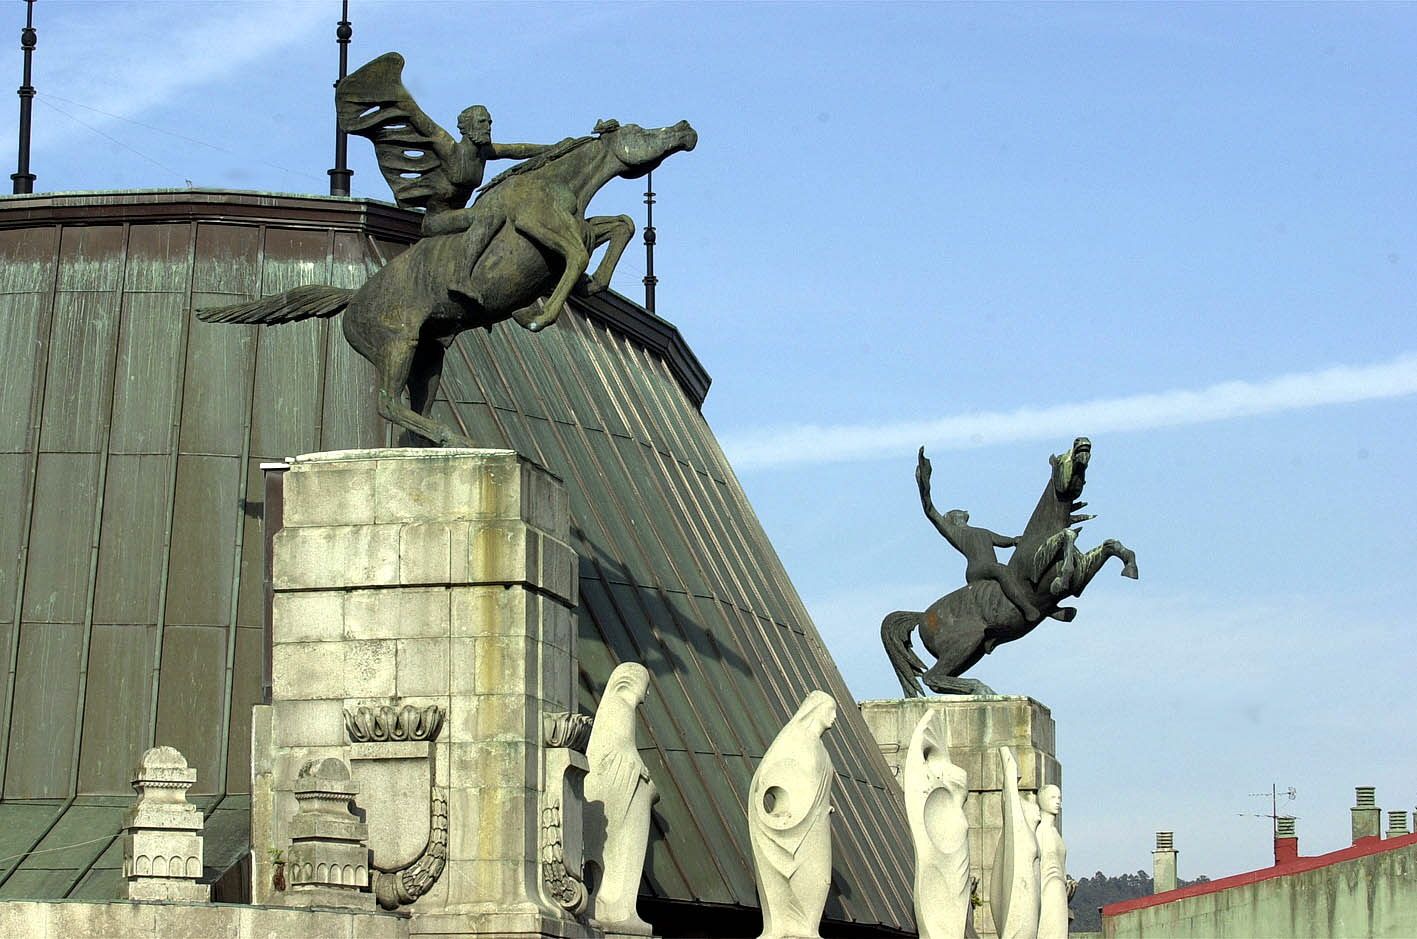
(130,440)
(130,551)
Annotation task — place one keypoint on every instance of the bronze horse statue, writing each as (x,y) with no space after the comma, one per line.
(525,248)
(962,627)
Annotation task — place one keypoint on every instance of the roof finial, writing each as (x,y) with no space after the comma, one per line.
(339,176)
(24,179)
(650,279)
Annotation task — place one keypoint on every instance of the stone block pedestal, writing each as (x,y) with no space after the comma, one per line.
(423,629)
(978,726)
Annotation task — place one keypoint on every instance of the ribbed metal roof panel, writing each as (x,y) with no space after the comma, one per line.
(131,437)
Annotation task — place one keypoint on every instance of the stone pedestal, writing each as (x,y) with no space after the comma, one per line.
(162,833)
(422,629)
(978,726)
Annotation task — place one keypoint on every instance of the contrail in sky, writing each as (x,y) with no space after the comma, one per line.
(842,443)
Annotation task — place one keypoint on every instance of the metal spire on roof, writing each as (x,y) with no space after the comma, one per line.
(339,176)
(650,279)
(24,179)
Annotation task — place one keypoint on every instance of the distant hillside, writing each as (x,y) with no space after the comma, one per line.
(1100,890)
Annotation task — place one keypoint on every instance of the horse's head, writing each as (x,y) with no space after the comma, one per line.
(641,149)
(1070,470)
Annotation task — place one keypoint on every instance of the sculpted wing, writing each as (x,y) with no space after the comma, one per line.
(372,102)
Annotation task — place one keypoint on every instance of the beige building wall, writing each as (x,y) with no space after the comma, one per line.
(1374,895)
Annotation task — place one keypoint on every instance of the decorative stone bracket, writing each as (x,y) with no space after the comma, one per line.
(392,753)
(563,806)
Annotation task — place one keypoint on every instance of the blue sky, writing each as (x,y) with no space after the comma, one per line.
(1187,231)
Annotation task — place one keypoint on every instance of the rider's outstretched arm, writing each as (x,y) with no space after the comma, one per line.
(1001,541)
(517,151)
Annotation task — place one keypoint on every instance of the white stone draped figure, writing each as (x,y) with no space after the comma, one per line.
(1052,867)
(619,794)
(1013,892)
(935,792)
(789,804)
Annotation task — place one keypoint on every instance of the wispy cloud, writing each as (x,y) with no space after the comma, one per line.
(200,44)
(787,446)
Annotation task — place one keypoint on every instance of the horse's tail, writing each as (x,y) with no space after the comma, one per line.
(298,304)
(895,636)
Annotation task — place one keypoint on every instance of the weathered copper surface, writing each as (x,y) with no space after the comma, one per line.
(130,442)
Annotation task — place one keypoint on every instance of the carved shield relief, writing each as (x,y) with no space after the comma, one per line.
(392,755)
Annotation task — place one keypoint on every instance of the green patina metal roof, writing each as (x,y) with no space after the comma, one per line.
(130,549)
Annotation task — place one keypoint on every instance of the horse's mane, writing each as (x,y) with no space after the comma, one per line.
(541,159)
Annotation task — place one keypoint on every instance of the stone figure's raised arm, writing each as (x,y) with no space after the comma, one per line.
(923,470)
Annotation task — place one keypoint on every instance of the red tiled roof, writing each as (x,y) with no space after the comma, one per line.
(1363,848)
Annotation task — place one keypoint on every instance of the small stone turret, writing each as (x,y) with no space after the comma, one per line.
(328,862)
(162,833)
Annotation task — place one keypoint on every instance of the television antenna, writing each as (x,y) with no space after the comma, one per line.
(1289,794)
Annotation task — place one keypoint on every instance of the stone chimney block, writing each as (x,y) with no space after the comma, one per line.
(1367,817)
(1397,823)
(1286,840)
(1163,863)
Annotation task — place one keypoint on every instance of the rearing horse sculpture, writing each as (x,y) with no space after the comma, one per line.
(527,247)
(962,627)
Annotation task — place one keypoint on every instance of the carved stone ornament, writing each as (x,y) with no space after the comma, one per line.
(1054,887)
(376,725)
(789,801)
(935,793)
(565,887)
(328,860)
(400,887)
(564,729)
(619,795)
(162,833)
(392,754)
(1013,892)
(563,811)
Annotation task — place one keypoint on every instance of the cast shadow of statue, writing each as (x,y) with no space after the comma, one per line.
(643,606)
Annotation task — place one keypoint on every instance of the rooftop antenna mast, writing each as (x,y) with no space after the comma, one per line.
(1290,794)
(24,179)
(650,279)
(339,176)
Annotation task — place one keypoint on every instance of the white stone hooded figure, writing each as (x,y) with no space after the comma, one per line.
(619,795)
(789,804)
(1052,867)
(1013,893)
(935,793)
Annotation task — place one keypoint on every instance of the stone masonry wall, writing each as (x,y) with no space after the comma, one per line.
(978,726)
(424,577)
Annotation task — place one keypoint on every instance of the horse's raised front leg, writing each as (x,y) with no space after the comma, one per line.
(1092,562)
(559,232)
(615,230)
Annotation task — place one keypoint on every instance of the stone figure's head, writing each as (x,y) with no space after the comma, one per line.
(818,711)
(1050,799)
(957,517)
(475,123)
(629,683)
